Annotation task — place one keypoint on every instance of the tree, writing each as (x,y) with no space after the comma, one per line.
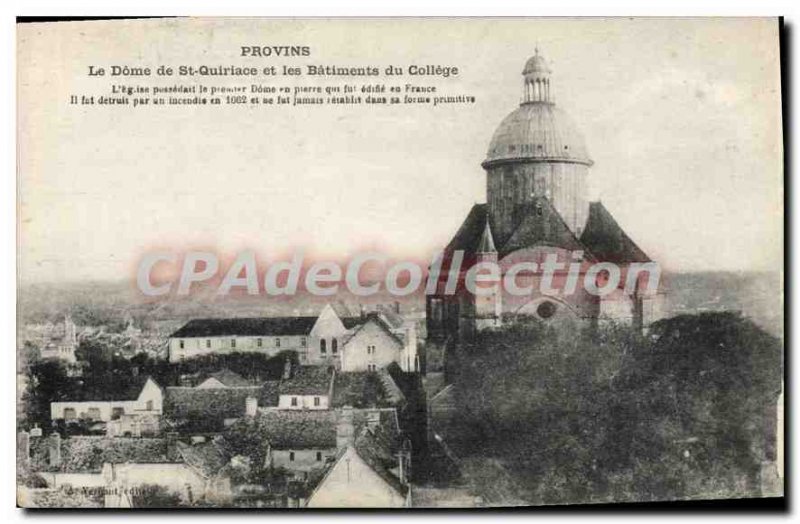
(612,415)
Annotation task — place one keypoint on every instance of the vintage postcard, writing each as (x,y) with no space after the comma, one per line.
(399,263)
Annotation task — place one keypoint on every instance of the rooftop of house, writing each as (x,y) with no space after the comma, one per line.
(82,454)
(285,429)
(207,458)
(359,389)
(129,388)
(307,380)
(253,327)
(229,379)
(183,402)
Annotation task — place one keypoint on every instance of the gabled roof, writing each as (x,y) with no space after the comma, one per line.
(379,319)
(377,449)
(116,392)
(229,379)
(222,327)
(294,429)
(307,380)
(540,225)
(182,402)
(605,238)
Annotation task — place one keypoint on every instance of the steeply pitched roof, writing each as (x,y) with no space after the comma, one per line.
(607,241)
(307,380)
(222,327)
(182,402)
(468,236)
(379,319)
(290,429)
(377,449)
(540,224)
(230,379)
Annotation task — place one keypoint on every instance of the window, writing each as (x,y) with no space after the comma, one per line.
(322,347)
(303,341)
(117,413)
(69,413)
(319,456)
(334,346)
(370,350)
(259,342)
(370,367)
(181,343)
(277,342)
(94,413)
(208,343)
(294,401)
(233,343)
(316,401)
(291,456)
(149,405)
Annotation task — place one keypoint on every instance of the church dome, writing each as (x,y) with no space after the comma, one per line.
(537,130)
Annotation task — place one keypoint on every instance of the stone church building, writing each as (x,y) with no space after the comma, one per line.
(536,205)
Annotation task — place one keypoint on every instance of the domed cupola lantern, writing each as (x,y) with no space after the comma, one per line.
(536,151)
(536,88)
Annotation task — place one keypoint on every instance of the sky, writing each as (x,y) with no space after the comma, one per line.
(682,118)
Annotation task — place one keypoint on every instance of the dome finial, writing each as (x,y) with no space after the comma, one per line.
(536,87)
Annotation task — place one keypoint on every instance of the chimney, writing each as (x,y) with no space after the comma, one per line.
(251,406)
(54,449)
(287,369)
(345,430)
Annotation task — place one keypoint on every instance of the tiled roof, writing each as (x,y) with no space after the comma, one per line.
(605,238)
(207,458)
(289,429)
(182,402)
(378,450)
(87,454)
(221,327)
(307,380)
(113,391)
(230,379)
(359,389)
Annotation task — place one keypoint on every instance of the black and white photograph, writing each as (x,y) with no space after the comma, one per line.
(348,263)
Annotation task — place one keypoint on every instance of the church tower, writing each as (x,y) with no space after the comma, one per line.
(537,151)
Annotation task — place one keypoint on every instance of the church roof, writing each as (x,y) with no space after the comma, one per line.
(541,225)
(468,236)
(605,238)
(537,132)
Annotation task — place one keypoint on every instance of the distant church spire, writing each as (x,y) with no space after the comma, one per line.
(536,84)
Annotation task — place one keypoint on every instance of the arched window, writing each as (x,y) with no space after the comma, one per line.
(334,345)
(322,346)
